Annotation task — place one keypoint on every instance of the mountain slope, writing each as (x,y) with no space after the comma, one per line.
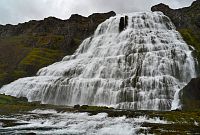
(27,47)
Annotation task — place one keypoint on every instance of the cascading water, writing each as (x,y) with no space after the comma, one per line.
(142,66)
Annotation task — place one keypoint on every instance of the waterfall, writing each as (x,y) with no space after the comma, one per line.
(142,66)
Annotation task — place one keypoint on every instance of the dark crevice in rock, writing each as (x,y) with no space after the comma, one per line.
(123,23)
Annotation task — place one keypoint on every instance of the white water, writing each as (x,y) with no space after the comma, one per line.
(52,122)
(142,67)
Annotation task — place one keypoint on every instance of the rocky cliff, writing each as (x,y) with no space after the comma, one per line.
(26,47)
(187,22)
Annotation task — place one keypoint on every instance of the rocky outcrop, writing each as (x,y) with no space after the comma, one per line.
(184,17)
(26,47)
(190,95)
(75,28)
(123,23)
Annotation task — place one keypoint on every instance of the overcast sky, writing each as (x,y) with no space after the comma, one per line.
(16,11)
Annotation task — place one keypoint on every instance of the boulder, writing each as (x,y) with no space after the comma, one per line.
(190,94)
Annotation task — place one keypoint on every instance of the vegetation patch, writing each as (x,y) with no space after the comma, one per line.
(38,58)
(24,55)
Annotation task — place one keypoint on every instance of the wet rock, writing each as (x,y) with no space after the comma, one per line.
(77,106)
(190,94)
(84,106)
(123,23)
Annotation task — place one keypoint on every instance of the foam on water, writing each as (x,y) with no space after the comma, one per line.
(77,123)
(143,67)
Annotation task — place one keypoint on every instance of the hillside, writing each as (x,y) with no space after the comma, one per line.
(27,47)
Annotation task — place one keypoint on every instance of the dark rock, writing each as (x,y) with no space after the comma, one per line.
(84,107)
(76,26)
(190,94)
(126,21)
(161,7)
(183,18)
(195,3)
(77,17)
(176,110)
(123,23)
(77,106)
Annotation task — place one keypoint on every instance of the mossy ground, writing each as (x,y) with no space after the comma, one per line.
(11,105)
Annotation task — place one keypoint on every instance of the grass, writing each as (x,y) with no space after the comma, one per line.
(193,40)
(12,105)
(190,38)
(36,59)
(24,55)
(41,57)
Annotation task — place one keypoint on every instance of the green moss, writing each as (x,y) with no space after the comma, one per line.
(92,108)
(18,74)
(13,39)
(190,38)
(12,105)
(4,99)
(193,40)
(3,75)
(29,54)
(98,108)
(36,59)
(190,104)
(45,41)
(3,78)
(179,122)
(50,41)
(77,41)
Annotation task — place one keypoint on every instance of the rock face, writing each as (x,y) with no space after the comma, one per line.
(26,47)
(123,23)
(187,17)
(191,94)
(187,22)
(75,28)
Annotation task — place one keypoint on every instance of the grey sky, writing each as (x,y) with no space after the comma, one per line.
(16,11)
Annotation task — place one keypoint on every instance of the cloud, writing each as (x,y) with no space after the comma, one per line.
(16,11)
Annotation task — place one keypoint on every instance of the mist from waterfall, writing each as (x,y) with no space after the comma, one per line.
(142,67)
